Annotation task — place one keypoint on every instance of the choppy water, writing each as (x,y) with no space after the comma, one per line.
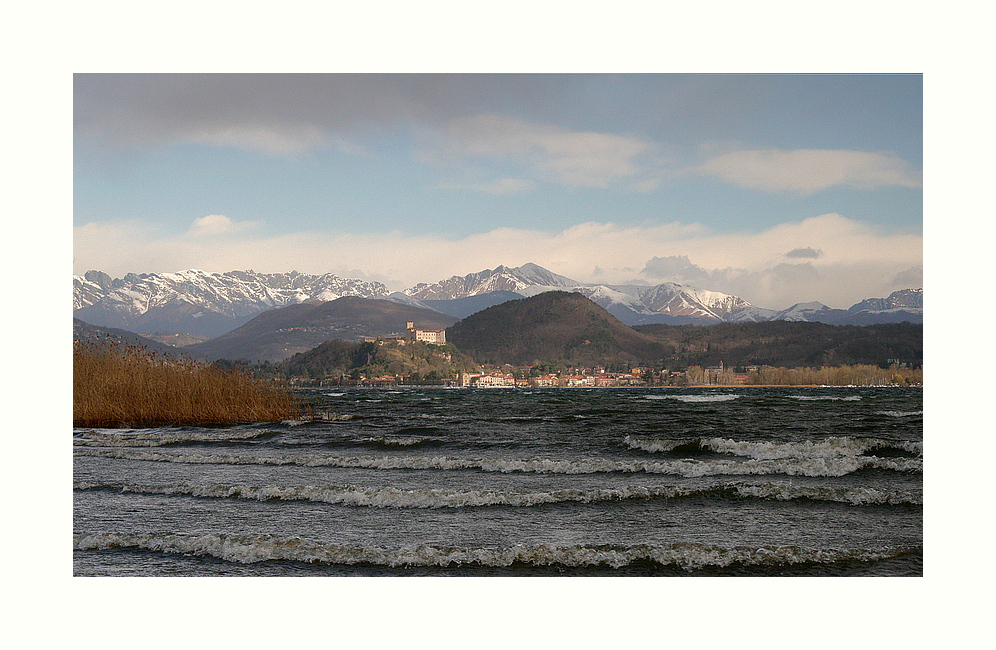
(478,482)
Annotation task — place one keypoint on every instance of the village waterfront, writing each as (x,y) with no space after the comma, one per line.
(717,481)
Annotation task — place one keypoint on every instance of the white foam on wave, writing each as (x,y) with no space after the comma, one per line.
(248,549)
(855,496)
(655,445)
(825,466)
(321,417)
(832,447)
(381,497)
(900,414)
(832,398)
(402,441)
(160,437)
(695,399)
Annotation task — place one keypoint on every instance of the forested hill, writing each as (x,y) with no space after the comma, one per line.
(337,357)
(553,327)
(787,344)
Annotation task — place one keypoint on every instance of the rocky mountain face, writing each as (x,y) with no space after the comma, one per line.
(908,299)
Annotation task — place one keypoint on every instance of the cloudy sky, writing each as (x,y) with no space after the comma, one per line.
(776,188)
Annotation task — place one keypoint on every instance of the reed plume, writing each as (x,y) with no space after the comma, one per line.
(121,385)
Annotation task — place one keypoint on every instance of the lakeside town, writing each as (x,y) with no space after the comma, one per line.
(600,377)
(896,372)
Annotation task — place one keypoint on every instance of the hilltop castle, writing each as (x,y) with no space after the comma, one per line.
(429,336)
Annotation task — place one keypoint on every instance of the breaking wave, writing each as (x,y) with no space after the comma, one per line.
(829,448)
(248,549)
(900,414)
(819,466)
(161,438)
(831,398)
(692,399)
(403,441)
(380,497)
(321,417)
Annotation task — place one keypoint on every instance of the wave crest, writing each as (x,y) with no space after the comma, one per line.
(161,438)
(694,399)
(248,549)
(377,497)
(834,466)
(829,448)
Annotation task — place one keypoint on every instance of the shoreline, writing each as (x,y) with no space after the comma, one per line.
(421,386)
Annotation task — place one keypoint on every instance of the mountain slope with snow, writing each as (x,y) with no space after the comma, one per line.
(522,280)
(908,299)
(211,304)
(199,302)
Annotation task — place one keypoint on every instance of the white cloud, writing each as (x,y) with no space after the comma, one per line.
(806,171)
(273,138)
(559,155)
(218,224)
(858,261)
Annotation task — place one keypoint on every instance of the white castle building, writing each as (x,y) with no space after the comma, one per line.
(429,336)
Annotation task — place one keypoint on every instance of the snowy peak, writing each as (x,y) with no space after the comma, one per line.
(667,302)
(803,311)
(672,299)
(233,293)
(502,278)
(537,275)
(902,299)
(173,301)
(209,304)
(676,300)
(903,305)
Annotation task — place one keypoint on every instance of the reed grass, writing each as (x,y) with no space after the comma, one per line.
(121,385)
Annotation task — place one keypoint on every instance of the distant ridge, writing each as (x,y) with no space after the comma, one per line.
(86,332)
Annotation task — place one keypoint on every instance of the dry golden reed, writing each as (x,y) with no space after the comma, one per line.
(120,385)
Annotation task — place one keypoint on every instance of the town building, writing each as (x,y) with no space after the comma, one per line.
(493,381)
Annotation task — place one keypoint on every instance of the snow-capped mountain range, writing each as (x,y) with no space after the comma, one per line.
(200,302)
(211,304)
